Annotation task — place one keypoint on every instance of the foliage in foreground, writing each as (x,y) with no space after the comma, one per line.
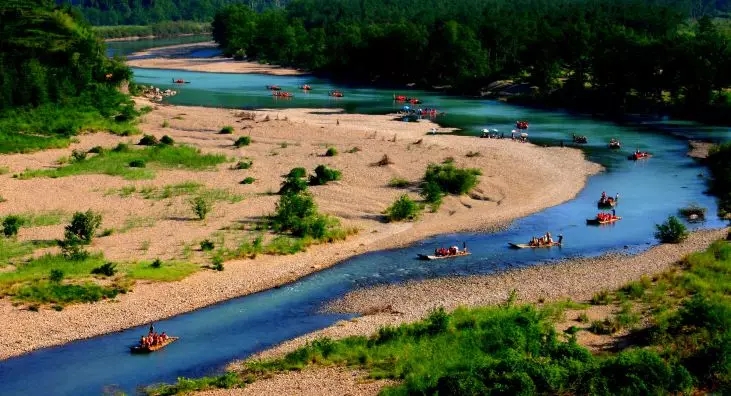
(404,208)
(116,162)
(671,231)
(515,349)
(719,162)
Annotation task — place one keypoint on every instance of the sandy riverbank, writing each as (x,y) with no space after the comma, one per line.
(509,188)
(175,57)
(395,304)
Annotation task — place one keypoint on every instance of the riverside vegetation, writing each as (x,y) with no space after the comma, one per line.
(55,80)
(604,56)
(516,349)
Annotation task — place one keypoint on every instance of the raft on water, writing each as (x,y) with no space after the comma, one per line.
(529,246)
(152,348)
(433,257)
(596,221)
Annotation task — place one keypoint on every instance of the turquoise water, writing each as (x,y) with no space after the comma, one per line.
(124,48)
(650,191)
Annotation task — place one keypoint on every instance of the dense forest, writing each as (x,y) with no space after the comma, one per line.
(55,78)
(144,12)
(617,56)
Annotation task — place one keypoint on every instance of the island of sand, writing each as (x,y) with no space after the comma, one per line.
(165,228)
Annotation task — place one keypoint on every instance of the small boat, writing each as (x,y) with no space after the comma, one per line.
(274,87)
(336,94)
(521,124)
(579,139)
(282,94)
(153,348)
(433,257)
(529,246)
(597,221)
(639,155)
(305,87)
(180,81)
(614,144)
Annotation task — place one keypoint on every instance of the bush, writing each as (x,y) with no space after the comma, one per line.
(83,227)
(404,208)
(432,194)
(56,276)
(693,212)
(451,179)
(78,155)
(201,207)
(148,140)
(207,245)
(157,263)
(106,269)
(96,150)
(138,163)
(248,180)
(121,148)
(331,152)
(323,175)
(227,130)
(672,231)
(218,263)
(293,185)
(398,182)
(385,160)
(243,164)
(11,225)
(242,141)
(167,140)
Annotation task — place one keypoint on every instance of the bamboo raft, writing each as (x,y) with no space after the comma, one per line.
(433,257)
(153,348)
(600,222)
(528,246)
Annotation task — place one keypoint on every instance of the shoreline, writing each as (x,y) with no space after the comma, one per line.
(357,200)
(577,279)
(175,57)
(151,37)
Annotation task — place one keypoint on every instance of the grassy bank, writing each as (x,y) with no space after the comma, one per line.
(512,349)
(132,163)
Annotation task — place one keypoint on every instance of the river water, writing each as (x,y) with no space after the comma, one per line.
(651,190)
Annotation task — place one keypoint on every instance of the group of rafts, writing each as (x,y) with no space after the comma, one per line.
(276,91)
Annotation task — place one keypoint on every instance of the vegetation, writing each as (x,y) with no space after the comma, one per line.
(11,225)
(398,182)
(693,212)
(120,161)
(671,231)
(180,189)
(324,175)
(55,79)
(719,162)
(245,164)
(227,130)
(159,30)
(511,349)
(201,206)
(242,141)
(331,152)
(605,56)
(404,208)
(294,182)
(148,140)
(248,180)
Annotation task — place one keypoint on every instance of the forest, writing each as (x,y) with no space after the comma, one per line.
(603,56)
(55,78)
(144,12)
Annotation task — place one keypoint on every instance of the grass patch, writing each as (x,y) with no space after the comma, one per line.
(40,219)
(11,249)
(185,188)
(137,222)
(117,162)
(398,182)
(38,269)
(166,272)
(4,170)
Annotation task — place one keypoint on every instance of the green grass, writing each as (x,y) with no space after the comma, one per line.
(11,249)
(38,269)
(169,271)
(116,162)
(39,219)
(46,292)
(181,189)
(398,182)
(137,222)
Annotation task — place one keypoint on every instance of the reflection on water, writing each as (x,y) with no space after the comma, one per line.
(650,191)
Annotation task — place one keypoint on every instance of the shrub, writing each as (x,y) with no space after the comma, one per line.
(243,164)
(157,263)
(242,141)
(227,130)
(291,210)
(207,245)
(148,140)
(471,154)
(78,155)
(293,185)
(451,179)
(385,160)
(11,225)
(56,276)
(201,207)
(298,172)
(672,231)
(353,150)
(331,152)
(165,124)
(106,269)
(167,140)
(96,150)
(601,298)
(398,182)
(138,163)
(323,175)
(432,194)
(83,227)
(248,180)
(121,148)
(693,212)
(218,263)
(404,208)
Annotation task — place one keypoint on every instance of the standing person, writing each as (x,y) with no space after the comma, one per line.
(560,239)
(614,213)
(152,328)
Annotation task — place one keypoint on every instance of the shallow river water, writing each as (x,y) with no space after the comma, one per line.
(210,337)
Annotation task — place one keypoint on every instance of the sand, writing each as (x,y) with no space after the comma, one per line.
(175,57)
(509,188)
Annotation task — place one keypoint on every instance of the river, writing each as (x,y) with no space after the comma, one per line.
(650,191)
